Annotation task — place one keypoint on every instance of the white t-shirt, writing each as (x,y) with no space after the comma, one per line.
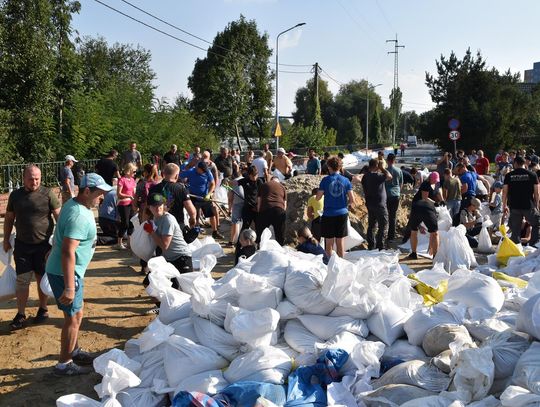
(262,165)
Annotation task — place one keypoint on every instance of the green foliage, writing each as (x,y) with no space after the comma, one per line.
(350,131)
(308,136)
(306,104)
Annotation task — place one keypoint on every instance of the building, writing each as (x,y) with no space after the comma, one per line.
(532,75)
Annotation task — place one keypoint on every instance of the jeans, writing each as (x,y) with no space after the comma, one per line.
(392,203)
(453,206)
(377,216)
(516,218)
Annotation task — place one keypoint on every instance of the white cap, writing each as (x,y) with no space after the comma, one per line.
(281,150)
(69,157)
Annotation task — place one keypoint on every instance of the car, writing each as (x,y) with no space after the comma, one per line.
(412,141)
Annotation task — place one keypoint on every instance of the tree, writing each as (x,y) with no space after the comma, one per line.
(308,136)
(350,131)
(305,102)
(231,86)
(395,107)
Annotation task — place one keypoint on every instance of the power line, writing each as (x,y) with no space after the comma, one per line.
(384,15)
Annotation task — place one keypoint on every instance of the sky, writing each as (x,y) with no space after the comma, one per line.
(346,37)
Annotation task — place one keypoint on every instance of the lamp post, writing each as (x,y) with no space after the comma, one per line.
(277,74)
(370,88)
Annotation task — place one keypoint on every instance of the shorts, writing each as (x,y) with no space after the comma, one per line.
(423,211)
(205,206)
(334,226)
(236,214)
(57,287)
(30,257)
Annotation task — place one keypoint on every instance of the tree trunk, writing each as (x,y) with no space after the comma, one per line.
(238,137)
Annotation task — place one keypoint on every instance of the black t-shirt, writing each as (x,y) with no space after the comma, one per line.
(176,194)
(426,186)
(521,184)
(107,168)
(407,177)
(171,158)
(251,189)
(374,189)
(224,165)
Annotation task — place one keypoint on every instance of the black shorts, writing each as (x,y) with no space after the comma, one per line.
(204,206)
(30,257)
(334,226)
(423,211)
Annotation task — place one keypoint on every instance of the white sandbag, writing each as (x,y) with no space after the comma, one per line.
(141,243)
(443,361)
(46,286)
(272,264)
(403,295)
(76,400)
(132,349)
(299,337)
(303,288)
(515,396)
(184,327)
(210,382)
(154,334)
(353,238)
(394,395)
(387,324)
(327,327)
(344,340)
(152,368)
(481,330)
(184,358)
(115,379)
(340,277)
(472,371)
(403,350)
(507,348)
(255,328)
(338,395)
(287,310)
(454,250)
(101,362)
(439,338)
(529,317)
(489,401)
(142,397)
(265,364)
(433,401)
(481,294)
(6,257)
(188,281)
(8,283)
(208,246)
(484,241)
(161,273)
(204,304)
(366,356)
(416,373)
(174,305)
(265,298)
(527,371)
(216,338)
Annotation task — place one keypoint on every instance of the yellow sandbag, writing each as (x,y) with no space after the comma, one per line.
(518,282)
(507,248)
(430,294)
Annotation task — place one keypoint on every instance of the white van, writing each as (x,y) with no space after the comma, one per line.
(412,141)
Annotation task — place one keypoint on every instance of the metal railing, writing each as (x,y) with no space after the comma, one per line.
(11,175)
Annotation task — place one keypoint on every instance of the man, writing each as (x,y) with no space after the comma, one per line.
(402,147)
(336,190)
(132,156)
(521,198)
(373,183)
(423,210)
(201,186)
(482,164)
(324,167)
(503,166)
(282,163)
(443,164)
(268,155)
(250,185)
(271,207)
(172,156)
(471,218)
(31,208)
(73,247)
(225,163)
(107,219)
(473,157)
(262,166)
(107,168)
(468,184)
(313,166)
(451,192)
(67,180)
(206,158)
(393,193)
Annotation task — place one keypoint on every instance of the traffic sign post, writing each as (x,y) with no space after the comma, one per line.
(454,135)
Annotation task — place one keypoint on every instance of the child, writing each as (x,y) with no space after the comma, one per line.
(495,205)
(314,212)
(247,240)
(308,244)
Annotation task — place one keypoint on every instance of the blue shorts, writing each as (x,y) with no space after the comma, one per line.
(57,287)
(236,214)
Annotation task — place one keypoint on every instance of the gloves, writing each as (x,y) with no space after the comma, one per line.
(207,197)
(149,226)
(191,234)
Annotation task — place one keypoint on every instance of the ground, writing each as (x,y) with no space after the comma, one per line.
(115,305)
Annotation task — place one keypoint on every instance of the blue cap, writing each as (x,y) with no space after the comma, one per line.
(497,184)
(94,180)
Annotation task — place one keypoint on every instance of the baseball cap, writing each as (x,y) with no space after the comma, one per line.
(434,177)
(69,157)
(476,203)
(202,165)
(281,150)
(155,199)
(534,159)
(497,184)
(94,180)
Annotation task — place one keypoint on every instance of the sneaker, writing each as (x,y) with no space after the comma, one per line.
(120,246)
(41,316)
(18,322)
(83,358)
(412,256)
(72,369)
(153,311)
(217,235)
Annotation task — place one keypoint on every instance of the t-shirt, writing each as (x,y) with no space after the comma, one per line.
(224,165)
(374,189)
(496,204)
(67,174)
(443,166)
(168,226)
(171,158)
(198,183)
(521,184)
(131,156)
(107,209)
(317,206)
(127,187)
(425,186)
(273,195)
(316,249)
(453,187)
(175,194)
(469,178)
(313,166)
(482,166)
(107,168)
(33,213)
(75,222)
(261,165)
(336,188)
(465,217)
(251,189)
(282,164)
(393,187)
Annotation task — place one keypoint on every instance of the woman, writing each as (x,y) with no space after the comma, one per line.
(126,200)
(308,244)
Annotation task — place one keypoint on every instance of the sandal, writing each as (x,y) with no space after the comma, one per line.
(18,322)
(41,316)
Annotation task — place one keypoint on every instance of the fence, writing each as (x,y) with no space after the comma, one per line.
(11,175)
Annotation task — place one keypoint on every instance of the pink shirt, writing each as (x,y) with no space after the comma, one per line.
(127,187)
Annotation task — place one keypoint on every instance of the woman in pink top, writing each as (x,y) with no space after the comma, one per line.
(126,198)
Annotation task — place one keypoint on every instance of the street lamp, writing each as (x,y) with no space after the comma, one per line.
(277,73)
(367,113)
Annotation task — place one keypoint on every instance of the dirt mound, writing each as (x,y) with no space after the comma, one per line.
(299,190)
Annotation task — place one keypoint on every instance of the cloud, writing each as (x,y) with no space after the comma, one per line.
(290,39)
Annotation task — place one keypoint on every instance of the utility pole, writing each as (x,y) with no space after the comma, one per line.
(316,69)
(396,85)
(317,118)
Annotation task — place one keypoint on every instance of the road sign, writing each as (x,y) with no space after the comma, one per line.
(454,135)
(453,124)
(277,132)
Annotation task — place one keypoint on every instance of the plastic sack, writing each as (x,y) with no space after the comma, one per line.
(141,243)
(387,324)
(529,317)
(366,356)
(527,371)
(210,382)
(454,250)
(507,248)
(344,340)
(439,338)
(402,351)
(515,396)
(8,283)
(266,364)
(115,379)
(484,241)
(424,319)
(328,327)
(265,298)
(174,305)
(251,394)
(216,338)
(287,310)
(184,327)
(141,397)
(507,348)
(118,356)
(444,218)
(353,238)
(152,368)
(272,264)
(299,337)
(393,395)
(416,373)
(155,334)
(76,400)
(45,286)
(5,257)
(254,328)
